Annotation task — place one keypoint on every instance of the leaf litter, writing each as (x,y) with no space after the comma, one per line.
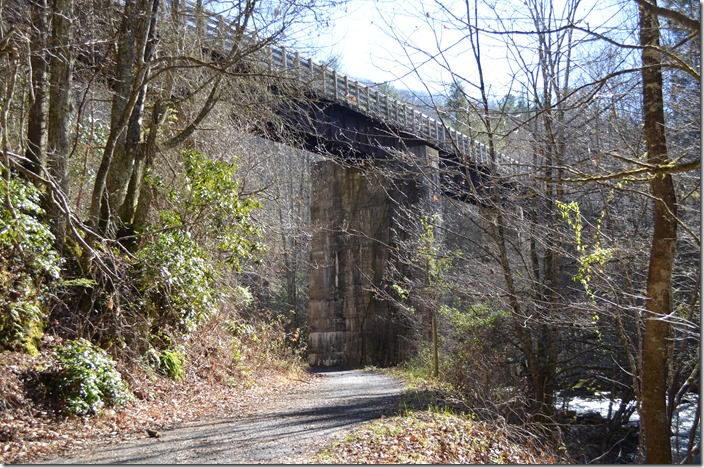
(31,431)
(431,437)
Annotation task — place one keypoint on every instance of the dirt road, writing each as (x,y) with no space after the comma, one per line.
(283,431)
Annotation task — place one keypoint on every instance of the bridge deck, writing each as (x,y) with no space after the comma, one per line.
(329,84)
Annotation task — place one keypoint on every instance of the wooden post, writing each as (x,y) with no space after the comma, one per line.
(270,59)
(283,60)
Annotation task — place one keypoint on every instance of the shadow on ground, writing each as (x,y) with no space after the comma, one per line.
(278,432)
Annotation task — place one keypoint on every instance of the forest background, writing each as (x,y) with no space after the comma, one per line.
(144,206)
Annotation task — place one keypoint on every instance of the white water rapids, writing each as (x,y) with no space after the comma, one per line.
(682,420)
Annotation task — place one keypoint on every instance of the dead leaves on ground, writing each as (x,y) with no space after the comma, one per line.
(29,433)
(428,437)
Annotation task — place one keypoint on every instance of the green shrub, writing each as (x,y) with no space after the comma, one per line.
(476,353)
(27,262)
(165,356)
(206,230)
(172,363)
(169,362)
(211,209)
(177,281)
(83,379)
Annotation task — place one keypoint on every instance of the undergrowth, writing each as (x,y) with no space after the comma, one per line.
(435,424)
(436,438)
(28,263)
(82,379)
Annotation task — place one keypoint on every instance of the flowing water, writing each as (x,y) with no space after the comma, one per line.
(603,405)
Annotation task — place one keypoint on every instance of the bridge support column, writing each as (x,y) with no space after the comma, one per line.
(428,160)
(351,217)
(358,217)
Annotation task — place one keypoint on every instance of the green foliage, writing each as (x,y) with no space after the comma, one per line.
(468,342)
(430,255)
(22,232)
(461,112)
(434,264)
(512,103)
(169,362)
(27,262)
(476,318)
(207,228)
(212,210)
(83,378)
(172,363)
(420,366)
(588,258)
(402,293)
(165,356)
(241,297)
(177,281)
(476,352)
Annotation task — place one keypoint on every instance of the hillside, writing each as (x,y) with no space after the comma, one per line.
(212,385)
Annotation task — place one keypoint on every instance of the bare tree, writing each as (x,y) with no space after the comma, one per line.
(36,121)
(582,173)
(658,331)
(216,62)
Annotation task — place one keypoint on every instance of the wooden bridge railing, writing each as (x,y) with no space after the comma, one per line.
(339,88)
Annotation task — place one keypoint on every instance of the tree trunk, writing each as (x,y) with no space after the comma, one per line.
(434,332)
(662,253)
(126,166)
(141,152)
(135,49)
(138,217)
(59,115)
(36,118)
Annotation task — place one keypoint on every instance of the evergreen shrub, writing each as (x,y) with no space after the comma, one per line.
(83,379)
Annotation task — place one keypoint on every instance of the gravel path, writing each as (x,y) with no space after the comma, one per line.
(283,431)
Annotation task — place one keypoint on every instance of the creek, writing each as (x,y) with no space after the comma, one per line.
(603,405)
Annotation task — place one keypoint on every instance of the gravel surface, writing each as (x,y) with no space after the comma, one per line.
(286,430)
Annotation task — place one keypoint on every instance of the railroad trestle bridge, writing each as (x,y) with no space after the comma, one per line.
(356,219)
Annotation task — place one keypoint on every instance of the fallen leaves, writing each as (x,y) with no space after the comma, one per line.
(428,437)
(30,434)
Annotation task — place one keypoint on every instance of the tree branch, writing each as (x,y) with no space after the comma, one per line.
(653,170)
(684,20)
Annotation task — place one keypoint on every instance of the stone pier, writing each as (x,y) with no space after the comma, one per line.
(355,224)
